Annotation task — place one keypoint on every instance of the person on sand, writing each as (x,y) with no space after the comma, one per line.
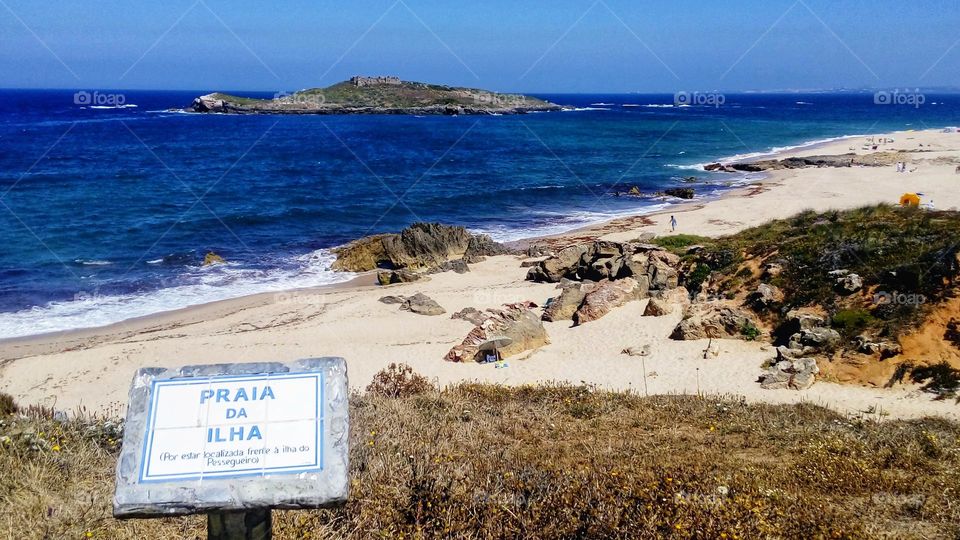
(673,224)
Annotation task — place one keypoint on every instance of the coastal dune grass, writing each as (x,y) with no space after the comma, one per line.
(482,461)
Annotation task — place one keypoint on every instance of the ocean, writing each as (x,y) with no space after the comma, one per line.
(108,202)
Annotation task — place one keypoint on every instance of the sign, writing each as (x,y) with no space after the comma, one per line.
(226,437)
(234,426)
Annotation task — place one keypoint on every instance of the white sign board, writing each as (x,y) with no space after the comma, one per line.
(234,426)
(225,437)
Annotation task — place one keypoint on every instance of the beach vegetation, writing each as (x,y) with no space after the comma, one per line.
(850,322)
(7,405)
(750,331)
(679,243)
(904,251)
(399,381)
(559,461)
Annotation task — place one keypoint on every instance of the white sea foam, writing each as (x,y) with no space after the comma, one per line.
(580,109)
(765,154)
(198,285)
(562,222)
(124,106)
(83,262)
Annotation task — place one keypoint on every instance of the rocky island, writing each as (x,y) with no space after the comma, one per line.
(377,95)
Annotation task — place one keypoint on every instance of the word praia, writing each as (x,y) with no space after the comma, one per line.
(239,395)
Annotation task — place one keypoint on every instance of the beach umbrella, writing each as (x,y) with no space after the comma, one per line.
(494,343)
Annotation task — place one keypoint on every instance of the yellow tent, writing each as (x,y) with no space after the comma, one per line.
(909,199)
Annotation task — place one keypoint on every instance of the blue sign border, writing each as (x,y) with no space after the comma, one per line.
(317,464)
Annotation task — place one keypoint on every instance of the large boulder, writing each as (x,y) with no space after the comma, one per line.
(421,246)
(516,321)
(566,304)
(481,245)
(566,263)
(423,305)
(361,255)
(765,297)
(471,315)
(391,277)
(848,284)
(682,193)
(796,374)
(606,296)
(712,320)
(678,296)
(657,308)
(662,275)
(818,339)
(426,245)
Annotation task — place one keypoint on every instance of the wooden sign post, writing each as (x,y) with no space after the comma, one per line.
(235,441)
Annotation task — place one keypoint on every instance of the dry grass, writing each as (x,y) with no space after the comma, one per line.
(480,461)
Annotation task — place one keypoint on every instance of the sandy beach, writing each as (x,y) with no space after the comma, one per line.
(92,368)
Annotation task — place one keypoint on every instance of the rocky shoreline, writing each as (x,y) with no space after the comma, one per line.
(211,104)
(377,95)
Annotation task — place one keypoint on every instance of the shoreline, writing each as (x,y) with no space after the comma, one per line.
(91,368)
(144,322)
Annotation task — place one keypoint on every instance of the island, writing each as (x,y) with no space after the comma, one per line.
(377,95)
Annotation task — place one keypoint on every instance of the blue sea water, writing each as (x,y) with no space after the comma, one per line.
(106,212)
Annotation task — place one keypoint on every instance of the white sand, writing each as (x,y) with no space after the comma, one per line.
(93,368)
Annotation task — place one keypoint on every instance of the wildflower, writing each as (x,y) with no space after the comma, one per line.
(89,534)
(56,448)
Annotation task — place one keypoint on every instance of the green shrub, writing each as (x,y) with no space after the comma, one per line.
(749,331)
(7,405)
(850,322)
(696,279)
(680,242)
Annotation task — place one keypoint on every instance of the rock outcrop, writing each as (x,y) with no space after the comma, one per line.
(657,307)
(606,296)
(599,276)
(566,304)
(790,373)
(420,247)
(682,193)
(713,320)
(814,340)
(391,277)
(602,260)
(516,321)
(876,159)
(422,305)
(212,258)
(845,282)
(766,297)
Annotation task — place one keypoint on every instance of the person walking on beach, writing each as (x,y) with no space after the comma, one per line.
(673,224)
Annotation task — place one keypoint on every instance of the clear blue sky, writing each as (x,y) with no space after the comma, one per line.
(557,46)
